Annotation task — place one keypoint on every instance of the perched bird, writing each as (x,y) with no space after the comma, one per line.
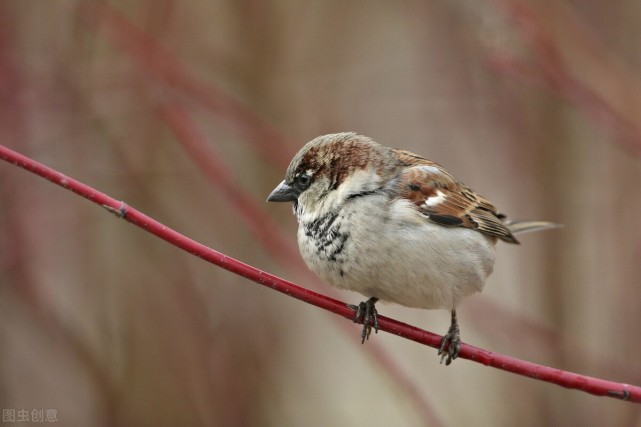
(393,226)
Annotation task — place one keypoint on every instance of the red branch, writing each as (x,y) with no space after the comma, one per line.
(587,384)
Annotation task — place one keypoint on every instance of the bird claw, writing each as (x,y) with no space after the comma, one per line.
(450,343)
(453,344)
(367,315)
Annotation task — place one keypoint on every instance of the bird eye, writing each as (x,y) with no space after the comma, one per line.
(303,180)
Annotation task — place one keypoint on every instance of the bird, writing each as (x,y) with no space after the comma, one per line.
(393,226)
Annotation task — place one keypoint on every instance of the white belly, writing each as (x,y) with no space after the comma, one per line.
(398,256)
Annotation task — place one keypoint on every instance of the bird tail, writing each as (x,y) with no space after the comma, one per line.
(517,226)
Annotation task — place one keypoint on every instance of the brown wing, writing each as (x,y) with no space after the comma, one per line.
(444,200)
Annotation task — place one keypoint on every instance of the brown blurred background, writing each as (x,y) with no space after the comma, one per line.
(536,106)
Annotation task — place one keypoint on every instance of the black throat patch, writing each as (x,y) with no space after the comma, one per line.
(325,232)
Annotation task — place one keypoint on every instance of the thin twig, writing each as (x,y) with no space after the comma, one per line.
(566,379)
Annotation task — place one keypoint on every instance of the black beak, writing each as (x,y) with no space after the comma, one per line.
(283,193)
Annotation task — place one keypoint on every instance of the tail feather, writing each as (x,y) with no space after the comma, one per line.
(517,226)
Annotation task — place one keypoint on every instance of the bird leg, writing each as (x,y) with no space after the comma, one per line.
(367,315)
(451,340)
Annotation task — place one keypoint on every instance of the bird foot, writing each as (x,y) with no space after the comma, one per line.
(367,315)
(450,343)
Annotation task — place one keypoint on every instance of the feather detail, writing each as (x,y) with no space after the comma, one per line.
(519,226)
(443,200)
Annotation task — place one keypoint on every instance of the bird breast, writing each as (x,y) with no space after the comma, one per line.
(394,253)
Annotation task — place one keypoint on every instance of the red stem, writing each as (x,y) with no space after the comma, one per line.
(584,383)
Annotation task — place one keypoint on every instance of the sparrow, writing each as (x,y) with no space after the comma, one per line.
(393,226)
